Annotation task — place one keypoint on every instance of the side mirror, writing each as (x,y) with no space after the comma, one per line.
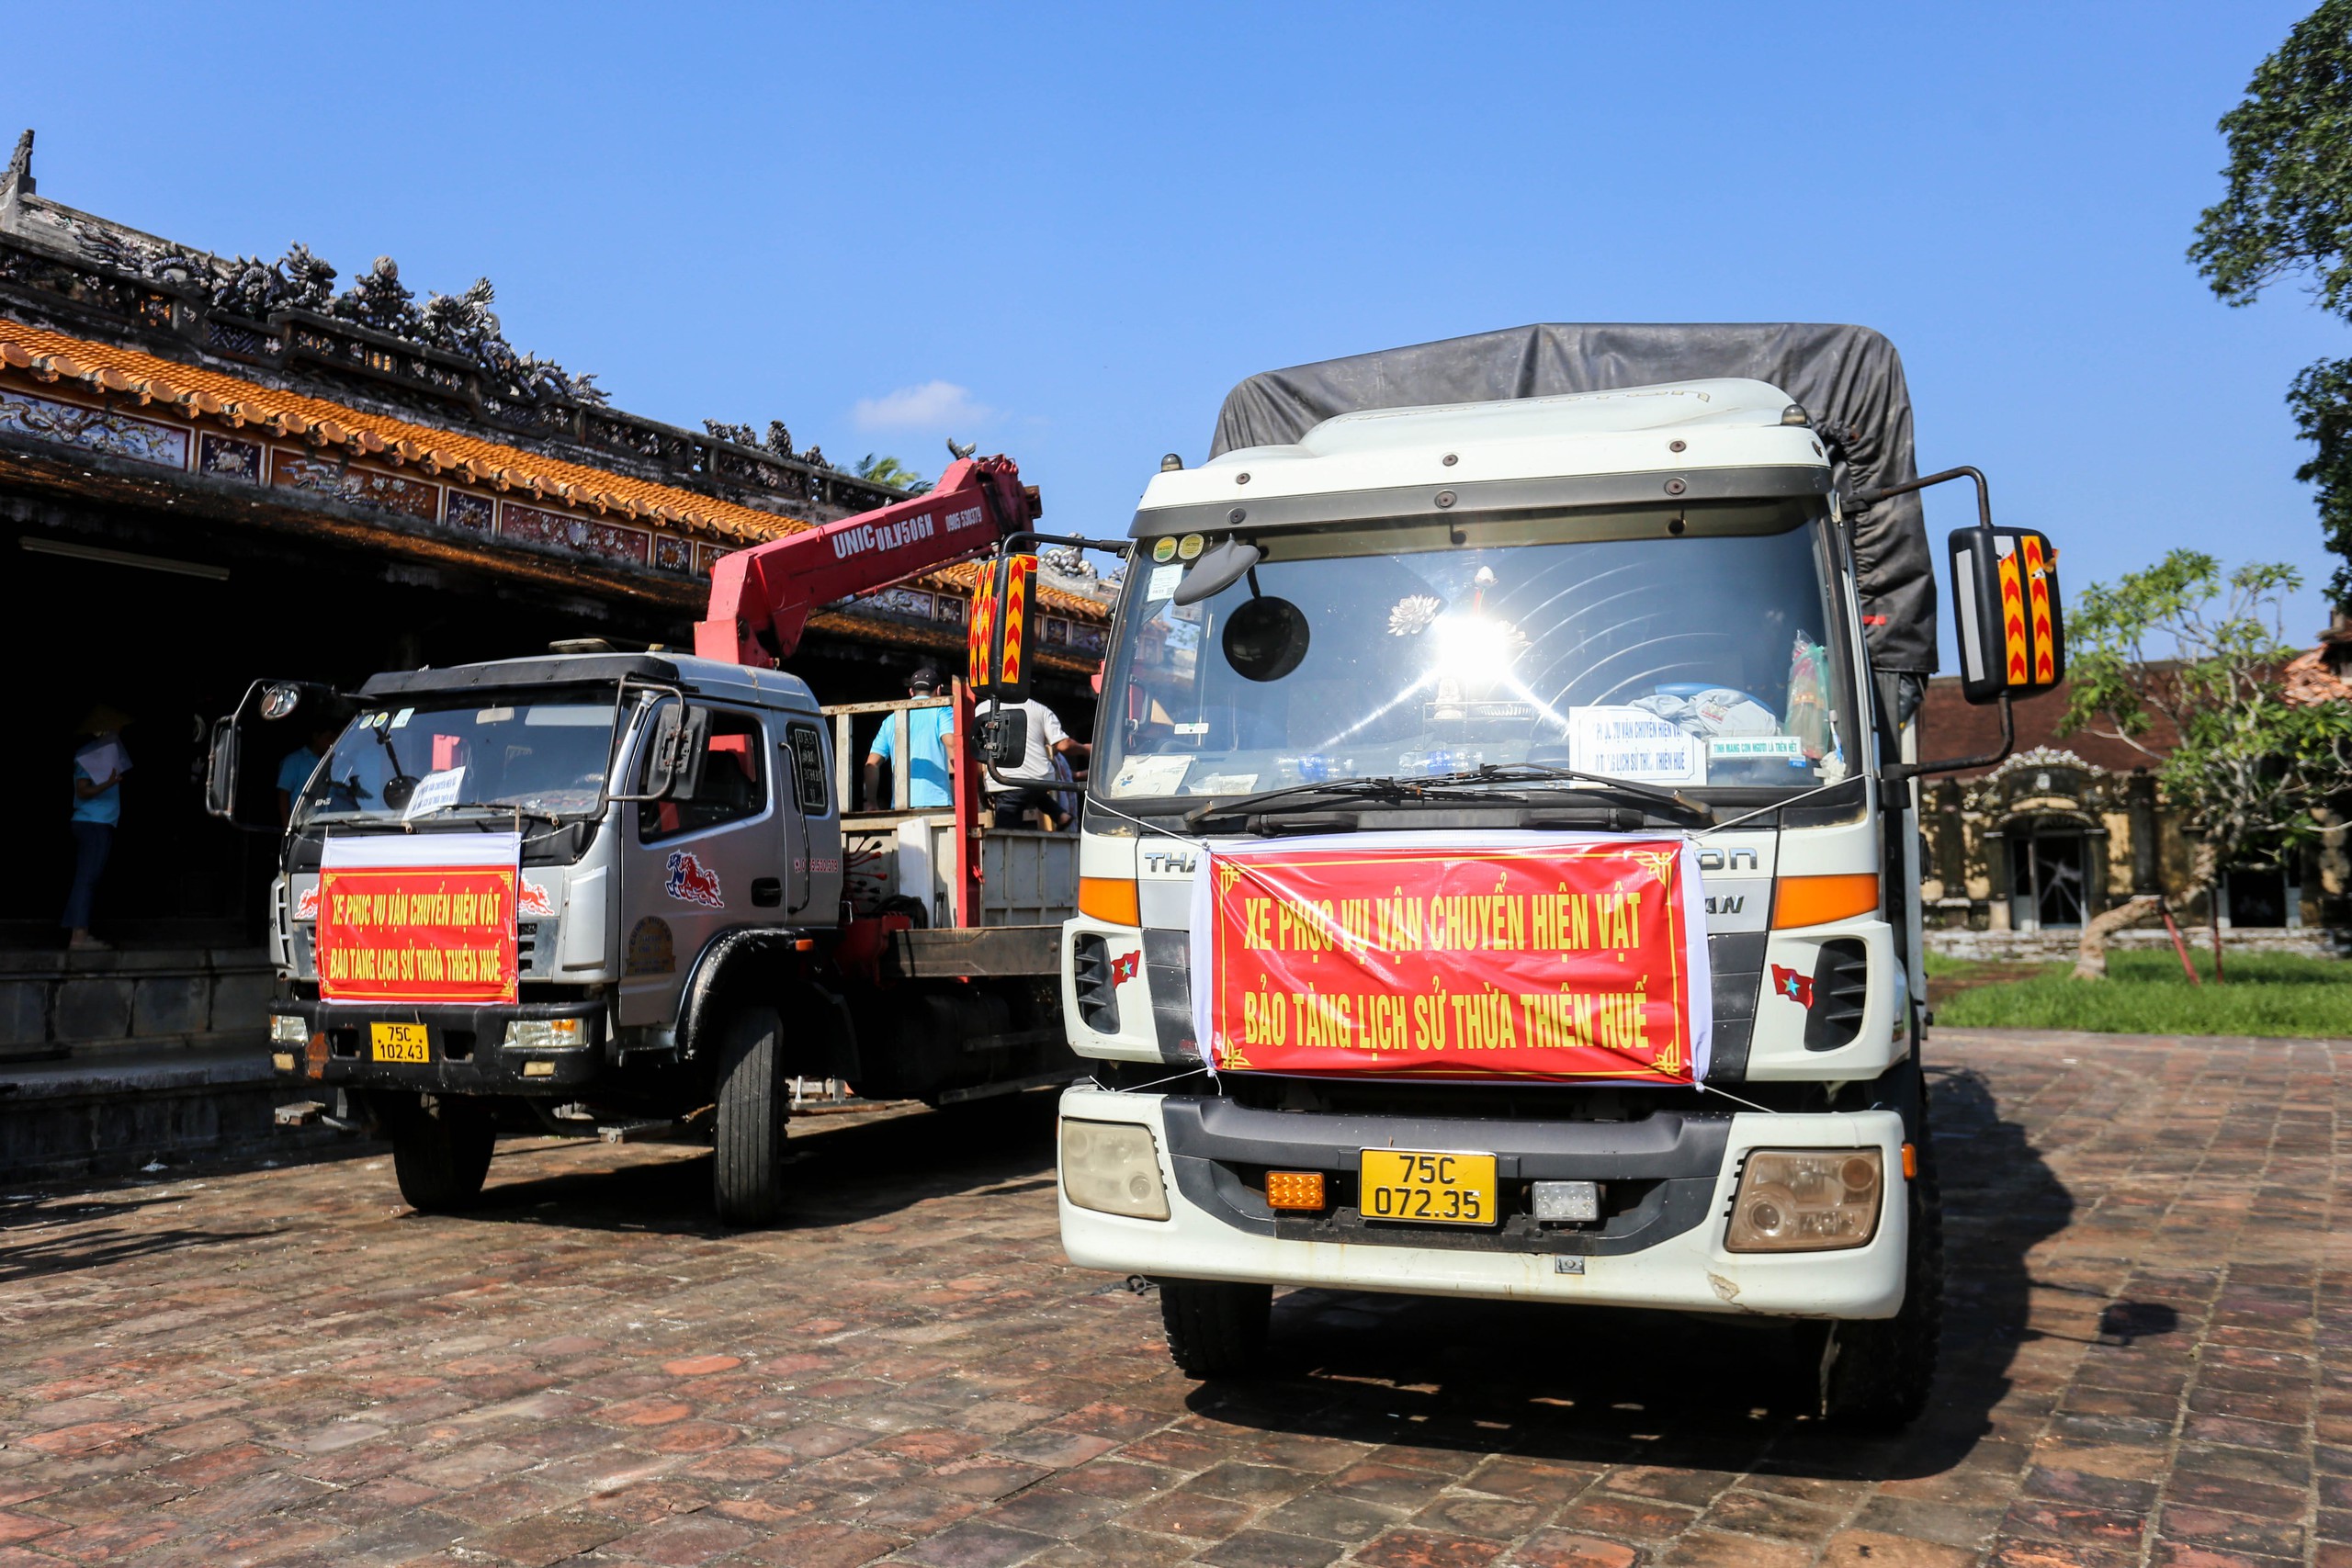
(681,744)
(221,769)
(2005,598)
(1004,737)
(997,643)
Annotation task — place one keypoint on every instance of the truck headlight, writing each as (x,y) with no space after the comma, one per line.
(1112,1168)
(545,1033)
(1807,1200)
(284,1028)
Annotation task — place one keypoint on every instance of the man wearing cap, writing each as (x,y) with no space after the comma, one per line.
(925,765)
(99,763)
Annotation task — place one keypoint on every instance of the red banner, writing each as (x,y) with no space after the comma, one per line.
(1578,960)
(416,932)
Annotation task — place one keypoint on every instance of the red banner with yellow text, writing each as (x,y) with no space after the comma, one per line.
(1578,959)
(424,919)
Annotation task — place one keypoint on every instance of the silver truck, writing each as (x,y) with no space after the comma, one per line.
(696,921)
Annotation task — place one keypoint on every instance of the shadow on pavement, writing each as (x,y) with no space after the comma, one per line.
(27,1253)
(1613,1386)
(838,1175)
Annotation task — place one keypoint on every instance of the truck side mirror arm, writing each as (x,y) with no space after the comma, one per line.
(1903,773)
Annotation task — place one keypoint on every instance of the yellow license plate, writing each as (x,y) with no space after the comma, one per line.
(398,1042)
(1428,1189)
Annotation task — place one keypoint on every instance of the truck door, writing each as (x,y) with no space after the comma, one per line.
(816,890)
(697,866)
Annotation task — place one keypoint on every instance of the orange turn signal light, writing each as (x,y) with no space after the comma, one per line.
(1910,1162)
(1817,900)
(1295,1190)
(1111,899)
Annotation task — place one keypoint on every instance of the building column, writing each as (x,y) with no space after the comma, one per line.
(2140,800)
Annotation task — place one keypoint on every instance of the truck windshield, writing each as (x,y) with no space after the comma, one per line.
(546,754)
(1696,648)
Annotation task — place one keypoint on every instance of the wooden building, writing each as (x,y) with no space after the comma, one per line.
(213,470)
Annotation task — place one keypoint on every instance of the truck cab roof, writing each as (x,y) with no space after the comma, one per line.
(700,677)
(1719,437)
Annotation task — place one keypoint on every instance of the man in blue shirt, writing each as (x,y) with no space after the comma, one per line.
(99,762)
(928,734)
(299,764)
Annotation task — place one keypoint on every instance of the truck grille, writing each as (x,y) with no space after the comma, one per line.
(527,947)
(1098,999)
(1841,981)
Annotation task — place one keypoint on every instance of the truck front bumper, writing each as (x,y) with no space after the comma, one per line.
(1672,1256)
(467,1048)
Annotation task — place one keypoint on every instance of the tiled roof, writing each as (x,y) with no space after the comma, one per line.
(196,393)
(1949,726)
(2311,680)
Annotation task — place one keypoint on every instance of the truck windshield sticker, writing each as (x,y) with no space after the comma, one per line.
(1151,775)
(1634,743)
(1226,784)
(434,791)
(1162,582)
(692,882)
(1578,958)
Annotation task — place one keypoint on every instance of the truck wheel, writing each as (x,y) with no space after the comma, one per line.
(1216,1330)
(1876,1374)
(441,1147)
(747,1177)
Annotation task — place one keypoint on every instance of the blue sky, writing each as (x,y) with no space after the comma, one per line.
(1065,232)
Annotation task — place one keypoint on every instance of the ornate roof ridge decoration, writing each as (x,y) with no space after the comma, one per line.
(284,316)
(126,379)
(2043,757)
(194,393)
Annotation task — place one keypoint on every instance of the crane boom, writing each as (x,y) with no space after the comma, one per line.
(761,598)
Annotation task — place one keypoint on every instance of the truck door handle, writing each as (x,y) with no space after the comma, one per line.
(766,892)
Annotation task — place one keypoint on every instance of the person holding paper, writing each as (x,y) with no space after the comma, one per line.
(99,763)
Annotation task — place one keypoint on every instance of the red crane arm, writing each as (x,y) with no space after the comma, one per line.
(762,597)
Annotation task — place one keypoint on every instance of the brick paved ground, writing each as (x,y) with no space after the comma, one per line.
(2150,1360)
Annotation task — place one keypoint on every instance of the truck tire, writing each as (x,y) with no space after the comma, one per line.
(1216,1330)
(1876,1374)
(441,1147)
(747,1176)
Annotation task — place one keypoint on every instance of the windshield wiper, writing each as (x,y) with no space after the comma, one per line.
(1382,786)
(502,807)
(1544,773)
(1377,785)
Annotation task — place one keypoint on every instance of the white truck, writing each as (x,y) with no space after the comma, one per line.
(1548,593)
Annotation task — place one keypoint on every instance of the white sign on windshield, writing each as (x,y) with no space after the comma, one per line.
(434,791)
(1635,744)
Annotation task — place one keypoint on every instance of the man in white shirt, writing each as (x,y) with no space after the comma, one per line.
(1046,737)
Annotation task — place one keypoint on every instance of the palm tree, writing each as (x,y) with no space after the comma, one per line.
(888,470)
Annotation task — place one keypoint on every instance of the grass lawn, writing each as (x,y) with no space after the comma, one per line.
(2145,993)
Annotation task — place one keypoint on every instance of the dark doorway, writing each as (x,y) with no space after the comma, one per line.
(2257,896)
(2049,880)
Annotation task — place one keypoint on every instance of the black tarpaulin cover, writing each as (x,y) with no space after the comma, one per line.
(1849,379)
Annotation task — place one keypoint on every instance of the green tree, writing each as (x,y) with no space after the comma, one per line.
(890,471)
(2181,643)
(2288,212)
